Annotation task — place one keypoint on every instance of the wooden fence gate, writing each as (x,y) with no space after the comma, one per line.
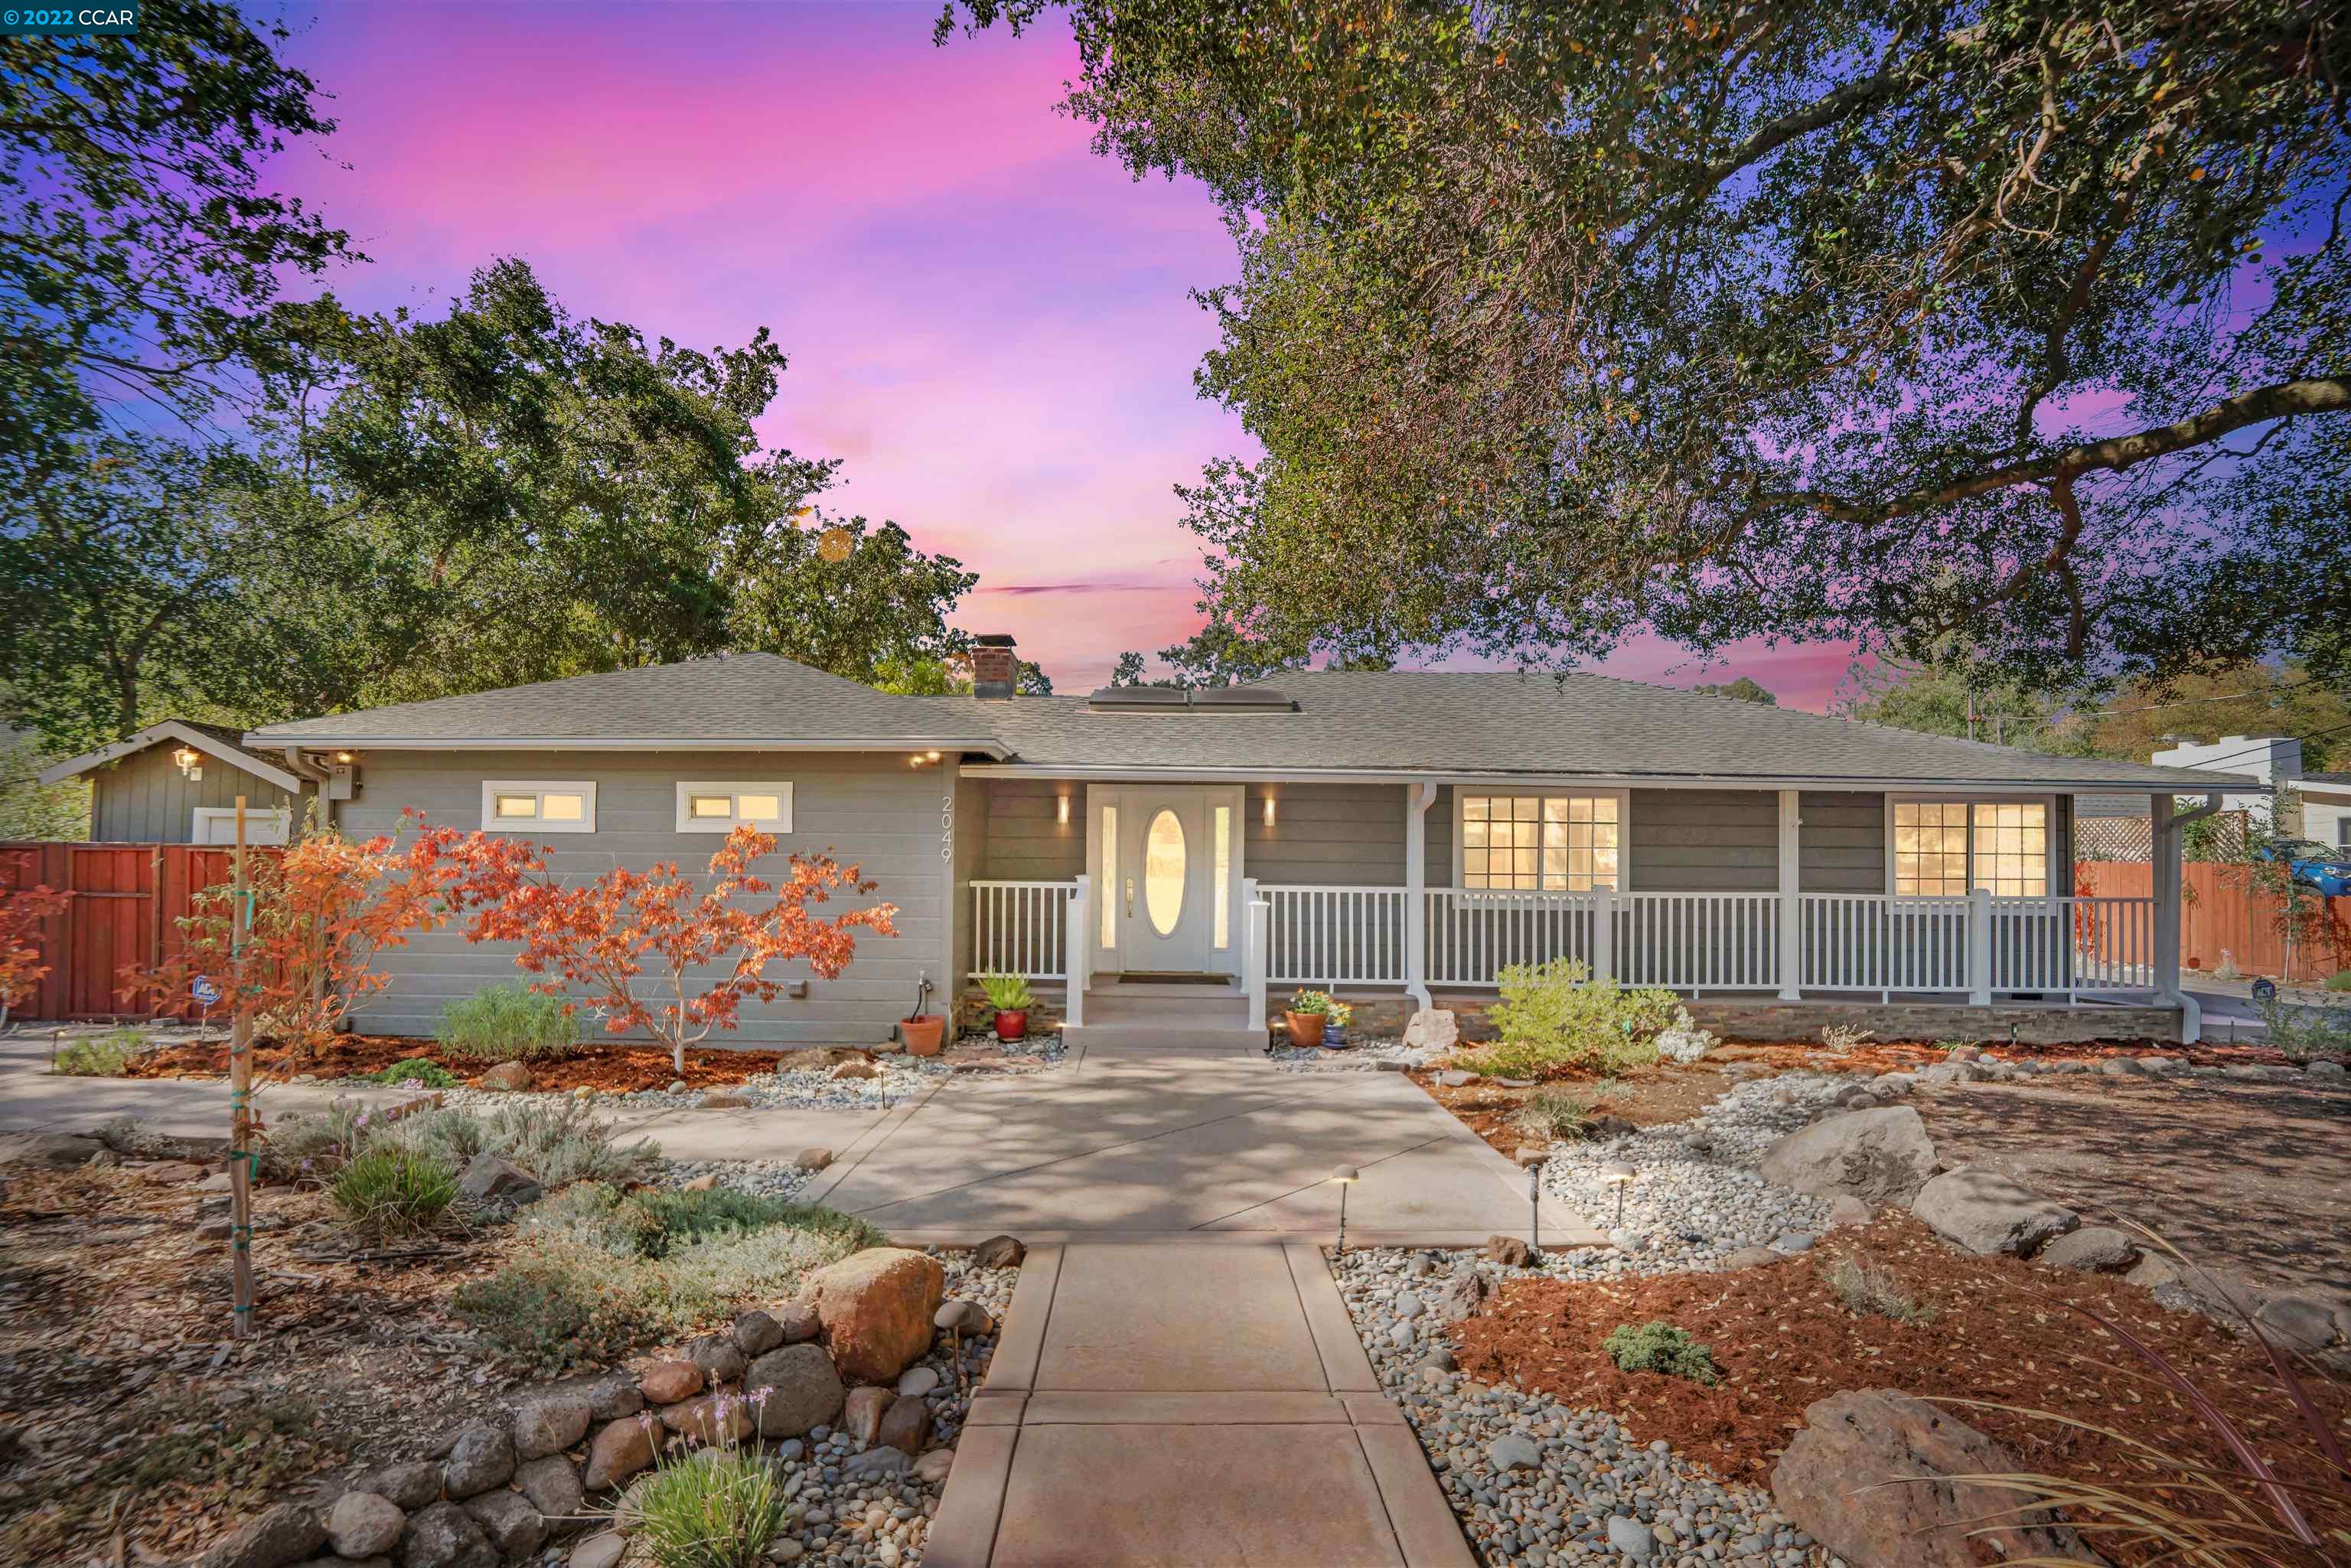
(128,901)
(2223,913)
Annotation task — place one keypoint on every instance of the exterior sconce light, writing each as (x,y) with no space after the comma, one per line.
(191,761)
(930,756)
(346,758)
(1620,1176)
(1062,811)
(1268,810)
(1344,1178)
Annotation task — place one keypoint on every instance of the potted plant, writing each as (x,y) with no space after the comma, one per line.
(1010,997)
(921,1033)
(1308,1013)
(1334,1032)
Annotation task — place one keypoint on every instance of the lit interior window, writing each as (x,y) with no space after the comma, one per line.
(1549,843)
(759,807)
(1224,877)
(518,805)
(564,808)
(1944,848)
(1109,892)
(717,806)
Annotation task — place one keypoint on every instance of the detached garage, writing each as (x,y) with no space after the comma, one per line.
(177,783)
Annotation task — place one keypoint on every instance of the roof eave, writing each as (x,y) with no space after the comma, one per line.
(1113,772)
(988,745)
(173,729)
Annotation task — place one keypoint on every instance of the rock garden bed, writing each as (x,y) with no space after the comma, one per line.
(1377,1053)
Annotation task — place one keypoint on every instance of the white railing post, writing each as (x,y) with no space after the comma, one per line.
(1253,960)
(1791,908)
(1980,947)
(1077,951)
(1418,799)
(1604,933)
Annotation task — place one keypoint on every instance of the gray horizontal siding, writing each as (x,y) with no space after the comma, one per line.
(1841,848)
(872,811)
(144,799)
(1703,841)
(1022,838)
(1348,834)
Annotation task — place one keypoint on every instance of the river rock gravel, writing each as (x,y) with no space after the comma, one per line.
(1370,1054)
(1537,1483)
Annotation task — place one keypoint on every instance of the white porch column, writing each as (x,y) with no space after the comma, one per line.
(2164,812)
(1078,946)
(1253,962)
(1980,947)
(1792,925)
(1418,799)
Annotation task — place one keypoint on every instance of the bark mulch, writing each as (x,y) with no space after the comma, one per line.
(2000,1332)
(608,1069)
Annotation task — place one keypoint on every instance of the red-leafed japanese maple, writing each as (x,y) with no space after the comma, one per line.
(320,910)
(22,911)
(647,950)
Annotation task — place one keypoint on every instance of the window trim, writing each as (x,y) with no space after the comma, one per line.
(734,790)
(1624,797)
(283,816)
(583,787)
(2059,854)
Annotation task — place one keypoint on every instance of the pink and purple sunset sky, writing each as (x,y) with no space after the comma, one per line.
(988,322)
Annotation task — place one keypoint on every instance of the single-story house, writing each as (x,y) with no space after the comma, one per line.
(177,782)
(1164,859)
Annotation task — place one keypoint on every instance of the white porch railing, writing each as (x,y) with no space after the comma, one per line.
(1699,942)
(1021,928)
(1334,934)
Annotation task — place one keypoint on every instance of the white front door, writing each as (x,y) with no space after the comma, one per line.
(1171,863)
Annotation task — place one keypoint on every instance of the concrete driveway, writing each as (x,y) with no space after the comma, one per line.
(1183,1146)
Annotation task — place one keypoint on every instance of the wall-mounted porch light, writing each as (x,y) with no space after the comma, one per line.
(191,761)
(1062,811)
(1269,809)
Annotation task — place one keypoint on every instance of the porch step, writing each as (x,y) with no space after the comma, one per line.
(1159,1039)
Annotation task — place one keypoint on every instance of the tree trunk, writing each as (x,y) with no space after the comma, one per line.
(240,1114)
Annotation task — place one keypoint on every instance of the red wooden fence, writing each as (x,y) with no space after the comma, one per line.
(128,902)
(2225,913)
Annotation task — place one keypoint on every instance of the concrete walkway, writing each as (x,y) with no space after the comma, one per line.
(1174,1406)
(1191,1145)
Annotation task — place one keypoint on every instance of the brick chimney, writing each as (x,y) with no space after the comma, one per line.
(994,667)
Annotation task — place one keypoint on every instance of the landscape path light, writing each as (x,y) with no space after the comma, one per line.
(1344,1176)
(1620,1176)
(1534,1208)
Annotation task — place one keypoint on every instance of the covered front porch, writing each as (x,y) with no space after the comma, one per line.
(1427,889)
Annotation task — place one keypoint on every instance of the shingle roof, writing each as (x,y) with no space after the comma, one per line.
(1382,722)
(733,698)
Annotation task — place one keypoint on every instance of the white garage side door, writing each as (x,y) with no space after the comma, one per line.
(217,825)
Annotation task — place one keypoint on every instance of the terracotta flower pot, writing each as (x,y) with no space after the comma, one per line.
(921,1035)
(1012,1024)
(1306,1028)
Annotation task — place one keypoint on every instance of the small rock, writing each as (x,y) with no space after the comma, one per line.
(996,1251)
(723,1100)
(876,1463)
(667,1382)
(811,1159)
(1455,1078)
(905,1427)
(720,1358)
(966,1318)
(362,1523)
(511,1077)
(1986,1212)
(545,1427)
(1509,1251)
(2297,1322)
(1751,1257)
(1791,1242)
(856,1070)
(1458,1297)
(482,1457)
(1631,1537)
(708,1418)
(794,1389)
(512,1525)
(677,1086)
(861,1412)
(756,1333)
(2122,1067)
(707,1182)
(933,1468)
(2333,1070)
(285,1534)
(552,1485)
(1514,1452)
(411,1485)
(602,1551)
(917,1381)
(2095,1248)
(59,1151)
(489,1179)
(443,1535)
(799,1321)
(171,1173)
(1845,1209)
(621,1449)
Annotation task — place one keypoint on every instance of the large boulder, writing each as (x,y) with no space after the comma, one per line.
(55,1150)
(621,1449)
(1986,1212)
(444,1535)
(509,1522)
(1878,1156)
(2093,1250)
(1832,1481)
(482,1457)
(285,1534)
(793,1389)
(876,1307)
(552,1485)
(489,1179)
(546,1426)
(364,1524)
(1432,1028)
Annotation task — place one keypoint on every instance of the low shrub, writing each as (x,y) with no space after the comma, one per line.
(557,1305)
(394,1191)
(508,1022)
(1660,1347)
(734,1267)
(314,1145)
(559,1142)
(1553,1015)
(2307,1030)
(716,1509)
(101,1056)
(2339,981)
(1842,1038)
(418,1070)
(1870,1290)
(1554,1113)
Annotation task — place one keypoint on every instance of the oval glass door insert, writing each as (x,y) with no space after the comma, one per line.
(1163,872)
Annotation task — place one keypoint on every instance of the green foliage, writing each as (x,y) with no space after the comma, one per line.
(508,1022)
(709,1510)
(1662,1348)
(389,1191)
(1555,1112)
(417,1070)
(560,1141)
(1311,1004)
(1007,993)
(1552,1015)
(314,1145)
(2307,1030)
(1745,689)
(1640,317)
(28,808)
(101,1056)
(2339,981)
(1866,1289)
(603,1272)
